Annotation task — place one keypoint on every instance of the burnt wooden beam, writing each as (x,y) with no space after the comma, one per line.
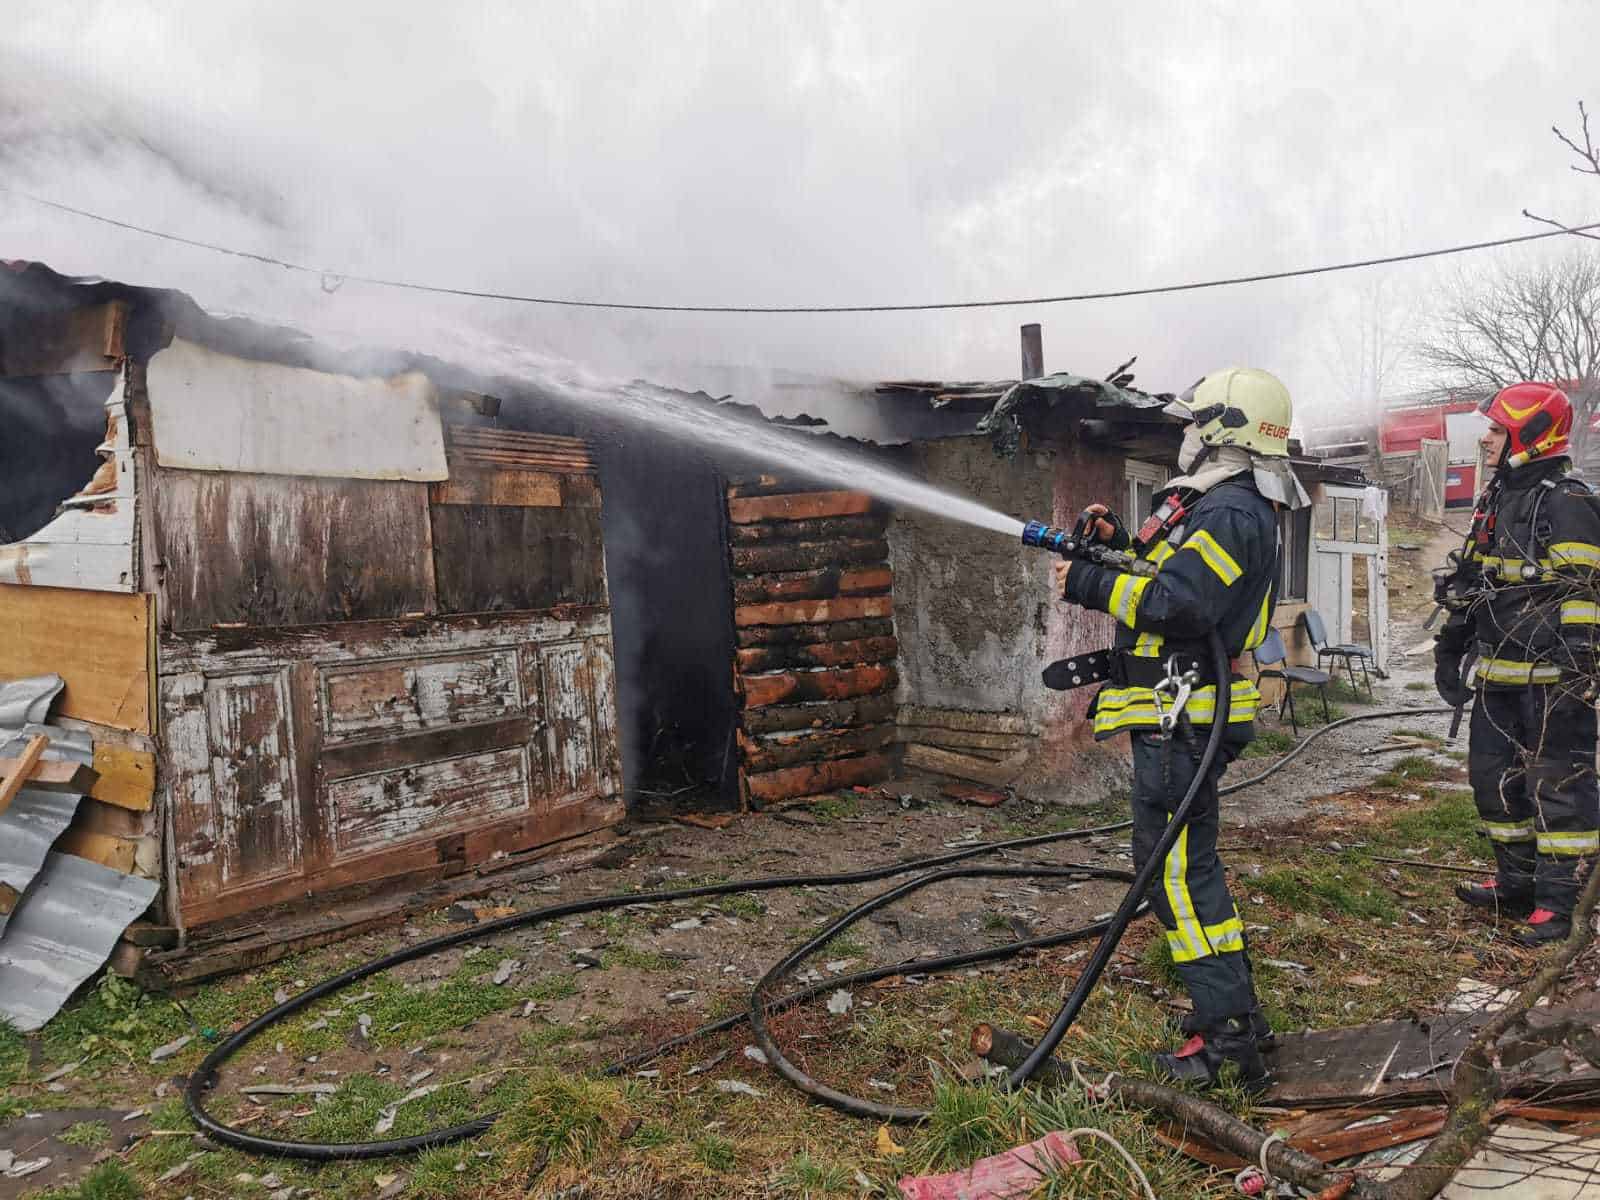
(787,750)
(965,739)
(819,530)
(819,654)
(822,584)
(804,556)
(957,718)
(865,710)
(842,684)
(809,780)
(831,631)
(799,506)
(814,612)
(963,766)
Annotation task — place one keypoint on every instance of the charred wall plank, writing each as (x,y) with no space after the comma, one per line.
(812,612)
(866,710)
(831,631)
(813,778)
(501,557)
(802,556)
(822,654)
(786,750)
(267,550)
(822,584)
(870,526)
(798,506)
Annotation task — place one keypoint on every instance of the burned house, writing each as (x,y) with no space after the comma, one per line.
(326,630)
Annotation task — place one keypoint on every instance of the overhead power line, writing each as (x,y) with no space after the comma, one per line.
(938,306)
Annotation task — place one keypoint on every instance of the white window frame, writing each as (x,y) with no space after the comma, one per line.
(1135,472)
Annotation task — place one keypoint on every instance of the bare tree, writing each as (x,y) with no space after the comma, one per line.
(1369,339)
(1538,321)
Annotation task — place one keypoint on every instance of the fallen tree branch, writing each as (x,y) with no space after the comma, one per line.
(1219,1127)
(1474,1091)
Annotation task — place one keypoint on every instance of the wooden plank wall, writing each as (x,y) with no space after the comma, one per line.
(814,622)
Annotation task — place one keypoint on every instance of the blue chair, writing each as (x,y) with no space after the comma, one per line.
(1270,664)
(1311,619)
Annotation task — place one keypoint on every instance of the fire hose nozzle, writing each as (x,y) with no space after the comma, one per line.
(1047,537)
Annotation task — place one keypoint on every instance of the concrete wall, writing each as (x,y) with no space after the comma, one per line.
(974,611)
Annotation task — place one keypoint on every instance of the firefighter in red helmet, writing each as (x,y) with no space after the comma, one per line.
(1524,596)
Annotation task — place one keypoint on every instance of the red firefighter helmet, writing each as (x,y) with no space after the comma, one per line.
(1538,416)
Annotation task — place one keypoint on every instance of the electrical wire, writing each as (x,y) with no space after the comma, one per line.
(770,309)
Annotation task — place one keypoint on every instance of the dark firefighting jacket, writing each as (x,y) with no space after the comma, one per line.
(1528,577)
(1218,570)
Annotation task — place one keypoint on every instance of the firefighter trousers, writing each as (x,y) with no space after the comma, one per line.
(1531,759)
(1190,895)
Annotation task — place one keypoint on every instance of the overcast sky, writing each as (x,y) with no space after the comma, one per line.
(807,152)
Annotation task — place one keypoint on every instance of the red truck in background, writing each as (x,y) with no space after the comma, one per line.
(1401,431)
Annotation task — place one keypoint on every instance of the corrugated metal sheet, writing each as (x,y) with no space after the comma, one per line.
(61,934)
(35,819)
(24,700)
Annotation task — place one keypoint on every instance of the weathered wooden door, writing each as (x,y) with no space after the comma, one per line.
(373,680)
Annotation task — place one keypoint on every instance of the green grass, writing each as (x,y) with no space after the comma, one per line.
(108,1181)
(1158,965)
(804,1176)
(836,807)
(13,1066)
(1340,888)
(87,1133)
(1447,822)
(748,907)
(846,945)
(715,1152)
(1269,743)
(625,955)
(1413,768)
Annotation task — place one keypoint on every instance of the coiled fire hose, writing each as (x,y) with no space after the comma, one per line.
(763,1005)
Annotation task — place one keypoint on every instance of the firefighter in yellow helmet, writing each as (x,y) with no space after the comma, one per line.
(1214,534)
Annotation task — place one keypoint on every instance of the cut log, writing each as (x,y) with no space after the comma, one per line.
(961,739)
(798,506)
(787,750)
(956,718)
(764,485)
(832,714)
(813,612)
(790,686)
(15,774)
(821,584)
(964,766)
(817,777)
(805,556)
(824,529)
(820,654)
(830,631)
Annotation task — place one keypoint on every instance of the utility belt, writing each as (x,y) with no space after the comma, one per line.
(1121,668)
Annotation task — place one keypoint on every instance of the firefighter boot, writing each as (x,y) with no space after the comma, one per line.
(1543,927)
(1492,898)
(1202,1057)
(1259,1029)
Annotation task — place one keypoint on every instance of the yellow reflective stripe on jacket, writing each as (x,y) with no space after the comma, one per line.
(1225,937)
(1175,881)
(1509,831)
(1580,612)
(1574,554)
(1568,845)
(1218,559)
(1148,645)
(1510,670)
(1125,594)
(1258,631)
(1116,709)
(1160,552)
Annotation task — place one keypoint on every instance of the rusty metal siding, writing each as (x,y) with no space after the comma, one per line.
(815,664)
(278,550)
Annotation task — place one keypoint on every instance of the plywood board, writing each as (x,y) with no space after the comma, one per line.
(486,485)
(98,642)
(127,777)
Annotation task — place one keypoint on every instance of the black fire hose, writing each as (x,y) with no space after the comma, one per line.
(1110,932)
(205,1075)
